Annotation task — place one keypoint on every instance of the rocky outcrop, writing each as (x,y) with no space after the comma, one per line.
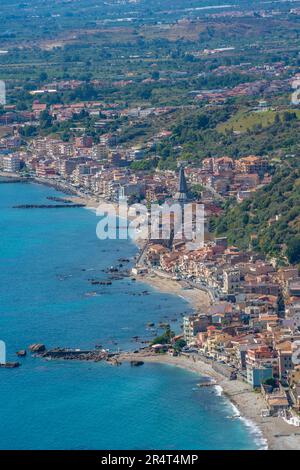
(37,348)
(10,365)
(76,354)
(95,282)
(21,353)
(136,363)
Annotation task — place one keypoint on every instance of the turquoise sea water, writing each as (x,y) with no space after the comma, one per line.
(46,259)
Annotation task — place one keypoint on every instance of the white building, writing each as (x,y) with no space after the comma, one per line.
(231,280)
(11,163)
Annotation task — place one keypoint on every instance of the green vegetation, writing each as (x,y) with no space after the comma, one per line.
(269,221)
(145,165)
(272,382)
(165,338)
(198,136)
(244,121)
(293,250)
(179,345)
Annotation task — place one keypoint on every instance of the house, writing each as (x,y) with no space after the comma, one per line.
(261,358)
(194,324)
(83,142)
(231,280)
(252,164)
(154,253)
(276,400)
(285,361)
(295,396)
(294,287)
(38,108)
(294,376)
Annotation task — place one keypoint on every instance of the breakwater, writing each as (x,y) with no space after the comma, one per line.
(48,206)
(12,179)
(76,354)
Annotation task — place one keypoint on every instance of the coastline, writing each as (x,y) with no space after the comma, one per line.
(194,296)
(197,298)
(276,434)
(272,433)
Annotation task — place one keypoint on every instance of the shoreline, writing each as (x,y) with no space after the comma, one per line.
(273,433)
(197,298)
(194,296)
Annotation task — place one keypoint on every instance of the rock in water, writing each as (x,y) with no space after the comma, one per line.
(37,348)
(136,363)
(10,365)
(21,353)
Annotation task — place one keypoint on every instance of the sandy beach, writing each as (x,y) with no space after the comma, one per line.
(89,202)
(276,434)
(199,299)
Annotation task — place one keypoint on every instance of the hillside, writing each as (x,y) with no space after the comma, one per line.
(199,136)
(270,219)
(246,120)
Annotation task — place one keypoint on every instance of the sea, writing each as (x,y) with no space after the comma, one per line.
(48,258)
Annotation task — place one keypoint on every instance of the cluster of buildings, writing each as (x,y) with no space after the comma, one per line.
(103,169)
(228,177)
(274,70)
(251,330)
(255,88)
(103,113)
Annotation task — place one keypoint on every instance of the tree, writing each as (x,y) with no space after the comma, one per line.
(43,76)
(293,250)
(196,190)
(165,338)
(277,119)
(155,75)
(45,120)
(280,305)
(179,344)
(271,381)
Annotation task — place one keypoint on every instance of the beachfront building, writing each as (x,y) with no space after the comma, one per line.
(11,163)
(257,375)
(192,325)
(262,357)
(276,400)
(218,345)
